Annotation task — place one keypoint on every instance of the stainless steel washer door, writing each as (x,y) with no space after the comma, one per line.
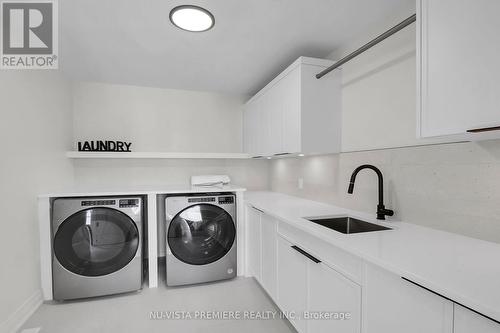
(96,241)
(201,234)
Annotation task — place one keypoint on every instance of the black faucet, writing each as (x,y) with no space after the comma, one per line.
(381,211)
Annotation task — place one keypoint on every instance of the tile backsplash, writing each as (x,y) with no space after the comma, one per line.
(453,187)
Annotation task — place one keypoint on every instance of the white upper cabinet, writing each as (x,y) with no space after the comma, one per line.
(458,49)
(295,113)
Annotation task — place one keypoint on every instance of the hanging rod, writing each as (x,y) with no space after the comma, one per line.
(369,45)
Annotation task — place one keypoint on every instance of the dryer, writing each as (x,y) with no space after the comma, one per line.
(200,238)
(97,246)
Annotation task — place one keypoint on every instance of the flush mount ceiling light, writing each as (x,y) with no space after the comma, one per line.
(192,18)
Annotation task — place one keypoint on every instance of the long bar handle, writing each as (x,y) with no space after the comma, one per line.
(449,299)
(304,253)
(484,129)
(369,45)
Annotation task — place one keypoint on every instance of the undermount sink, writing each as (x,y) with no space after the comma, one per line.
(347,225)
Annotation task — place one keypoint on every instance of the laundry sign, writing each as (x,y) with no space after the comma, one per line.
(104,146)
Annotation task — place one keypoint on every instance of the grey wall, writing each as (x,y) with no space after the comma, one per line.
(452,187)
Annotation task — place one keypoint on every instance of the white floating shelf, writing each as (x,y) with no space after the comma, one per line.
(154,155)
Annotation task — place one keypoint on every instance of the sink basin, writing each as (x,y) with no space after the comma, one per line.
(347,225)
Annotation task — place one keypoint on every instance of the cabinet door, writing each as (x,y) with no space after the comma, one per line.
(264,119)
(467,321)
(254,242)
(251,128)
(393,305)
(247,130)
(269,253)
(332,293)
(276,118)
(458,41)
(291,114)
(292,284)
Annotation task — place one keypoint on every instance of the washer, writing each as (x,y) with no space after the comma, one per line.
(200,238)
(97,246)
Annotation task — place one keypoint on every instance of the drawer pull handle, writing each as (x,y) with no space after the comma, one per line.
(449,299)
(304,253)
(485,129)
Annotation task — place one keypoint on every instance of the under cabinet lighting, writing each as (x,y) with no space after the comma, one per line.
(192,18)
(301,155)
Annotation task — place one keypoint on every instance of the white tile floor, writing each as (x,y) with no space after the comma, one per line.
(131,312)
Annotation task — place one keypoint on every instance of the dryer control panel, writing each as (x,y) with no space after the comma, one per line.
(125,203)
(226,200)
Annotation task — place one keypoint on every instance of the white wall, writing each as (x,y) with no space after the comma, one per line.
(161,120)
(158,119)
(35,131)
(378,89)
(452,187)
(116,174)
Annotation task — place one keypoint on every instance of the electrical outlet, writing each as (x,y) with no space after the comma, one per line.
(300,184)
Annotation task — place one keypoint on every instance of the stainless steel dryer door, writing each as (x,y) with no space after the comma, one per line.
(96,241)
(201,234)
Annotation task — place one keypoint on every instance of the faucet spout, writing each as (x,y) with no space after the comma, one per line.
(381,210)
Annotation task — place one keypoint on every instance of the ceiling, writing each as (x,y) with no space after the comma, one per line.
(133,42)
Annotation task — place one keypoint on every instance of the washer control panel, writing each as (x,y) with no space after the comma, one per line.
(122,203)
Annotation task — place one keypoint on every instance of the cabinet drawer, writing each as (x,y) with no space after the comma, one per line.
(346,263)
(467,321)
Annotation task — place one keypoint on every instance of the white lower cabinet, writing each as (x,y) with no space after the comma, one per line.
(292,284)
(319,290)
(333,295)
(253,217)
(393,305)
(315,297)
(269,254)
(467,321)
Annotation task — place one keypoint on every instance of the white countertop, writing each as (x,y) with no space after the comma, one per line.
(143,190)
(464,269)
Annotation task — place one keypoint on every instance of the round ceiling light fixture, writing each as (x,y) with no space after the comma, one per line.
(192,18)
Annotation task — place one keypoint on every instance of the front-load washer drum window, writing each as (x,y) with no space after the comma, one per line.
(201,234)
(96,241)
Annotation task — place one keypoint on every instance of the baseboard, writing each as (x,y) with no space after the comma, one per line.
(17,319)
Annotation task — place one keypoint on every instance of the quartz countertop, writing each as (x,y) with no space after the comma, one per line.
(463,269)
